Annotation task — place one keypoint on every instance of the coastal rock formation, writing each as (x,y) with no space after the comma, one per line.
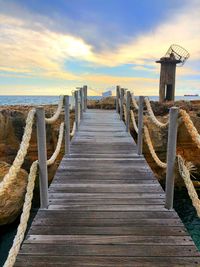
(12,201)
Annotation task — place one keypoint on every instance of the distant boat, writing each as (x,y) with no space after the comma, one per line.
(192,95)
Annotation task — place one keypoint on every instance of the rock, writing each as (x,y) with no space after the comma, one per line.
(12,201)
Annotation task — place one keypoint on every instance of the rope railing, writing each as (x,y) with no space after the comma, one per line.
(151,149)
(58,146)
(152,116)
(134,121)
(57,113)
(173,123)
(24,217)
(125,113)
(134,102)
(10,177)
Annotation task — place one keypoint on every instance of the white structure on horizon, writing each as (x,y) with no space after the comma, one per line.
(107,94)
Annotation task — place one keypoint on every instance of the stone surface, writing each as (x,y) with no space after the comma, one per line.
(12,200)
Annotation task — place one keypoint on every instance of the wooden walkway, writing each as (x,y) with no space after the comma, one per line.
(106,207)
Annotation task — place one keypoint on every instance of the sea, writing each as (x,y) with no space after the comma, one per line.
(46,100)
(182,202)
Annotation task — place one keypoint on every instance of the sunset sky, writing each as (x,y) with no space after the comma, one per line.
(50,47)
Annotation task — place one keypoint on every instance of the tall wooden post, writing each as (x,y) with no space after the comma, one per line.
(128,103)
(76,109)
(171,157)
(85,97)
(140,125)
(121,103)
(67,126)
(42,157)
(117,98)
(81,102)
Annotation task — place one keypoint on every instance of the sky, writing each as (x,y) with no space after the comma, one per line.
(51,47)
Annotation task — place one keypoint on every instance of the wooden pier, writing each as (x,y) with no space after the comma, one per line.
(106,208)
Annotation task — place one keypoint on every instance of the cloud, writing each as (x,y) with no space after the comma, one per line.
(37,52)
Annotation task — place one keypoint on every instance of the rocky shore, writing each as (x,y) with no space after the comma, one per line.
(12,122)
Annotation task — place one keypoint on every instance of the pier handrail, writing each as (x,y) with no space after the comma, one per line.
(175,116)
(40,164)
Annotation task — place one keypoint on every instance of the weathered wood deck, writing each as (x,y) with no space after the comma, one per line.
(106,207)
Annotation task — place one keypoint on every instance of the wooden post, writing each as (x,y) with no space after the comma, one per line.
(81,102)
(67,126)
(140,125)
(121,103)
(117,98)
(42,157)
(171,157)
(76,109)
(85,97)
(128,103)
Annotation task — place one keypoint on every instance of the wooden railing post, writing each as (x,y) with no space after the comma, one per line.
(85,97)
(42,157)
(76,109)
(171,157)
(121,103)
(117,98)
(81,102)
(67,125)
(128,103)
(140,125)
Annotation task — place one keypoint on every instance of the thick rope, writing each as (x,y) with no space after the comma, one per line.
(134,121)
(125,113)
(58,146)
(151,149)
(134,102)
(190,127)
(24,217)
(119,103)
(185,174)
(73,129)
(152,116)
(57,113)
(10,177)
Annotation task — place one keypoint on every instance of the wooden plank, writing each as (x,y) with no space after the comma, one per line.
(113,230)
(109,240)
(105,222)
(98,261)
(128,250)
(165,214)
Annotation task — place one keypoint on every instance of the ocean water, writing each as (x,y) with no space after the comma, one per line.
(34,100)
(41,100)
